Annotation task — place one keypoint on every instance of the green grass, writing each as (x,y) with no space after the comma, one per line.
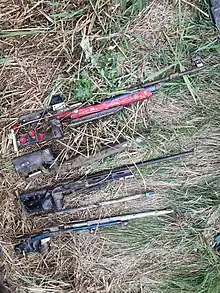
(200,276)
(141,235)
(182,114)
(3,60)
(22,33)
(67,15)
(131,7)
(201,202)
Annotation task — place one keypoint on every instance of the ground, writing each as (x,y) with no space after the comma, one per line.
(86,51)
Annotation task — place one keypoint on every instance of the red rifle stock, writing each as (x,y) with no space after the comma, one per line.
(125,100)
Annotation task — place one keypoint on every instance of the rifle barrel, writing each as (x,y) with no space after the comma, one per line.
(167,78)
(71,226)
(163,159)
(154,161)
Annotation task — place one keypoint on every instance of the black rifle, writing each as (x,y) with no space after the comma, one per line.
(50,199)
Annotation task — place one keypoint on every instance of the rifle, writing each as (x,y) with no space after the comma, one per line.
(50,199)
(38,242)
(34,163)
(35,128)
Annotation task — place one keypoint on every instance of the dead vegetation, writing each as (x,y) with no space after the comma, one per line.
(86,50)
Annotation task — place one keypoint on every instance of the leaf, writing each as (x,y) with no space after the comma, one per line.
(69,14)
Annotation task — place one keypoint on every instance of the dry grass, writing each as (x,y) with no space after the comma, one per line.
(41,55)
